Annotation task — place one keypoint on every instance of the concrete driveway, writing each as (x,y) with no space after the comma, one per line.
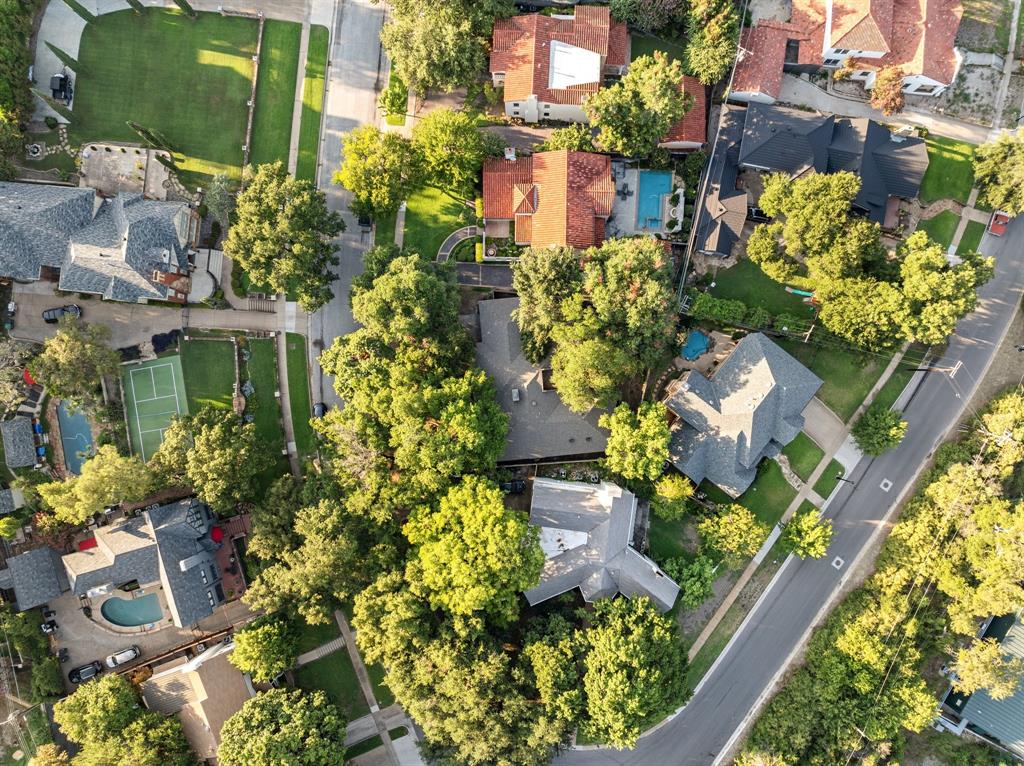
(129,323)
(823,426)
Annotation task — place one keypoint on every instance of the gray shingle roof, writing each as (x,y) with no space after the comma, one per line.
(585,534)
(785,140)
(123,552)
(1002,719)
(7,503)
(724,210)
(117,253)
(748,410)
(19,443)
(36,222)
(37,576)
(540,426)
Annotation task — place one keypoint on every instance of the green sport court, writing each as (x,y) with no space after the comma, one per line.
(154,392)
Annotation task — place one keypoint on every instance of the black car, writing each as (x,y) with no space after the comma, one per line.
(319,410)
(514,487)
(52,316)
(85,672)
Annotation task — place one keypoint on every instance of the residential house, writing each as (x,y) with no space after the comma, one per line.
(540,426)
(559,198)
(19,442)
(126,248)
(750,408)
(865,36)
(723,210)
(691,132)
(203,691)
(33,578)
(586,532)
(1000,722)
(10,501)
(548,65)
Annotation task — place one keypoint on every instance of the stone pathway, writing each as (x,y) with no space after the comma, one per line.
(453,239)
(400,225)
(321,651)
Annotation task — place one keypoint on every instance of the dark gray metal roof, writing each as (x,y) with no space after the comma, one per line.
(745,412)
(892,166)
(724,210)
(37,577)
(7,502)
(1002,719)
(36,222)
(785,140)
(19,443)
(540,425)
(585,533)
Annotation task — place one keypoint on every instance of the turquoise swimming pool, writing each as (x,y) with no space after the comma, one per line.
(654,184)
(132,612)
(75,437)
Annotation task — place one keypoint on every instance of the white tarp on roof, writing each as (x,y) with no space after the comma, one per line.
(572,66)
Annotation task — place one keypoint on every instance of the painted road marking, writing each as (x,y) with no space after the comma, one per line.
(886,485)
(838,562)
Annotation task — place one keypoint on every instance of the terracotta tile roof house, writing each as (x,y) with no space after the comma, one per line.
(917,35)
(550,198)
(691,132)
(550,64)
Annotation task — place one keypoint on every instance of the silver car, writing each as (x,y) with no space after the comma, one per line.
(123,656)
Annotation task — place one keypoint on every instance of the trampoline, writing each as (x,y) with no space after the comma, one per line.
(697,343)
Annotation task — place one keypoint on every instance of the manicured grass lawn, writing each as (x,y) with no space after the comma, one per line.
(667,539)
(298,393)
(275,92)
(804,455)
(746,282)
(261,370)
(189,79)
(209,371)
(312,636)
(335,675)
(950,174)
(770,494)
(312,102)
(828,480)
(643,45)
(430,216)
(971,239)
(384,230)
(380,689)
(846,375)
(941,228)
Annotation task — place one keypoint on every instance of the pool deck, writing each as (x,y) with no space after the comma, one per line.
(623,221)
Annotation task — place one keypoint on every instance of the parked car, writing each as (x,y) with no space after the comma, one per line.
(12,308)
(85,672)
(998,222)
(757,215)
(52,316)
(49,627)
(125,655)
(514,487)
(319,410)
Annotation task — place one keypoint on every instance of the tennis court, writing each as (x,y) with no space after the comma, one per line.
(154,392)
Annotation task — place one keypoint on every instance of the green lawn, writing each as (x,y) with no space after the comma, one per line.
(770,494)
(828,480)
(971,239)
(380,689)
(430,216)
(846,375)
(261,370)
(312,102)
(209,371)
(189,79)
(298,393)
(950,174)
(384,229)
(275,92)
(667,539)
(644,45)
(894,386)
(335,675)
(804,455)
(941,228)
(312,636)
(746,282)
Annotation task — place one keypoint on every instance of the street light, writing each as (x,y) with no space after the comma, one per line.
(839,477)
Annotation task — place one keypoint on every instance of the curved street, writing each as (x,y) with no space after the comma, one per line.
(732,691)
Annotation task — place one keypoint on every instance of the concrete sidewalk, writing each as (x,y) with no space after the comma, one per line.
(321,651)
(300,78)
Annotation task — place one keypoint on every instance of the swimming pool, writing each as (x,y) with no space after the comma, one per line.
(131,612)
(654,184)
(696,344)
(75,437)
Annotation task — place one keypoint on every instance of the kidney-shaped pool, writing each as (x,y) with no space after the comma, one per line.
(131,612)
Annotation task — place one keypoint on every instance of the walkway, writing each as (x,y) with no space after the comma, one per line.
(461,235)
(286,314)
(796,90)
(293,149)
(321,651)
(1009,67)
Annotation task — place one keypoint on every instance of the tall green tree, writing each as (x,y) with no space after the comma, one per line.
(284,726)
(578,137)
(807,534)
(453,149)
(733,532)
(648,15)
(73,361)
(472,555)
(543,278)
(281,234)
(152,739)
(712,36)
(107,479)
(671,492)
(635,670)
(266,647)
(879,430)
(589,372)
(49,755)
(380,169)
(999,172)
(638,441)
(814,208)
(984,665)
(633,115)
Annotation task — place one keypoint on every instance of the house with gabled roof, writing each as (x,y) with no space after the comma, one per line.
(126,248)
(586,533)
(561,198)
(750,408)
(866,36)
(548,65)
(691,132)
(19,442)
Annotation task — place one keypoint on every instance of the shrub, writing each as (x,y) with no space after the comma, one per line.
(51,122)
(479,203)
(395,97)
(479,248)
(708,307)
(789,322)
(758,317)
(46,680)
(694,580)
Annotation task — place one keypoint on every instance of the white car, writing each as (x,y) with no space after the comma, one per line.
(123,656)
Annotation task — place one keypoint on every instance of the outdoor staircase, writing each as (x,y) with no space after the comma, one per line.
(262,303)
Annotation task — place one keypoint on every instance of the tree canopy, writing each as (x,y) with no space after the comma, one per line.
(577,137)
(733,532)
(73,361)
(281,234)
(648,15)
(984,665)
(266,647)
(712,34)
(107,479)
(634,114)
(453,149)
(807,534)
(878,430)
(670,495)
(887,95)
(999,172)
(543,278)
(638,441)
(284,726)
(380,169)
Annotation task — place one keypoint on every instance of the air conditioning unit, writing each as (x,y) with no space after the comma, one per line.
(515,394)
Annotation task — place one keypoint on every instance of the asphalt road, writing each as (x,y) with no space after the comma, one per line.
(350,101)
(497,275)
(761,650)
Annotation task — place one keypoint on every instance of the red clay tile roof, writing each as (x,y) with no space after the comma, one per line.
(572,195)
(760,68)
(521,49)
(923,37)
(861,25)
(694,125)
